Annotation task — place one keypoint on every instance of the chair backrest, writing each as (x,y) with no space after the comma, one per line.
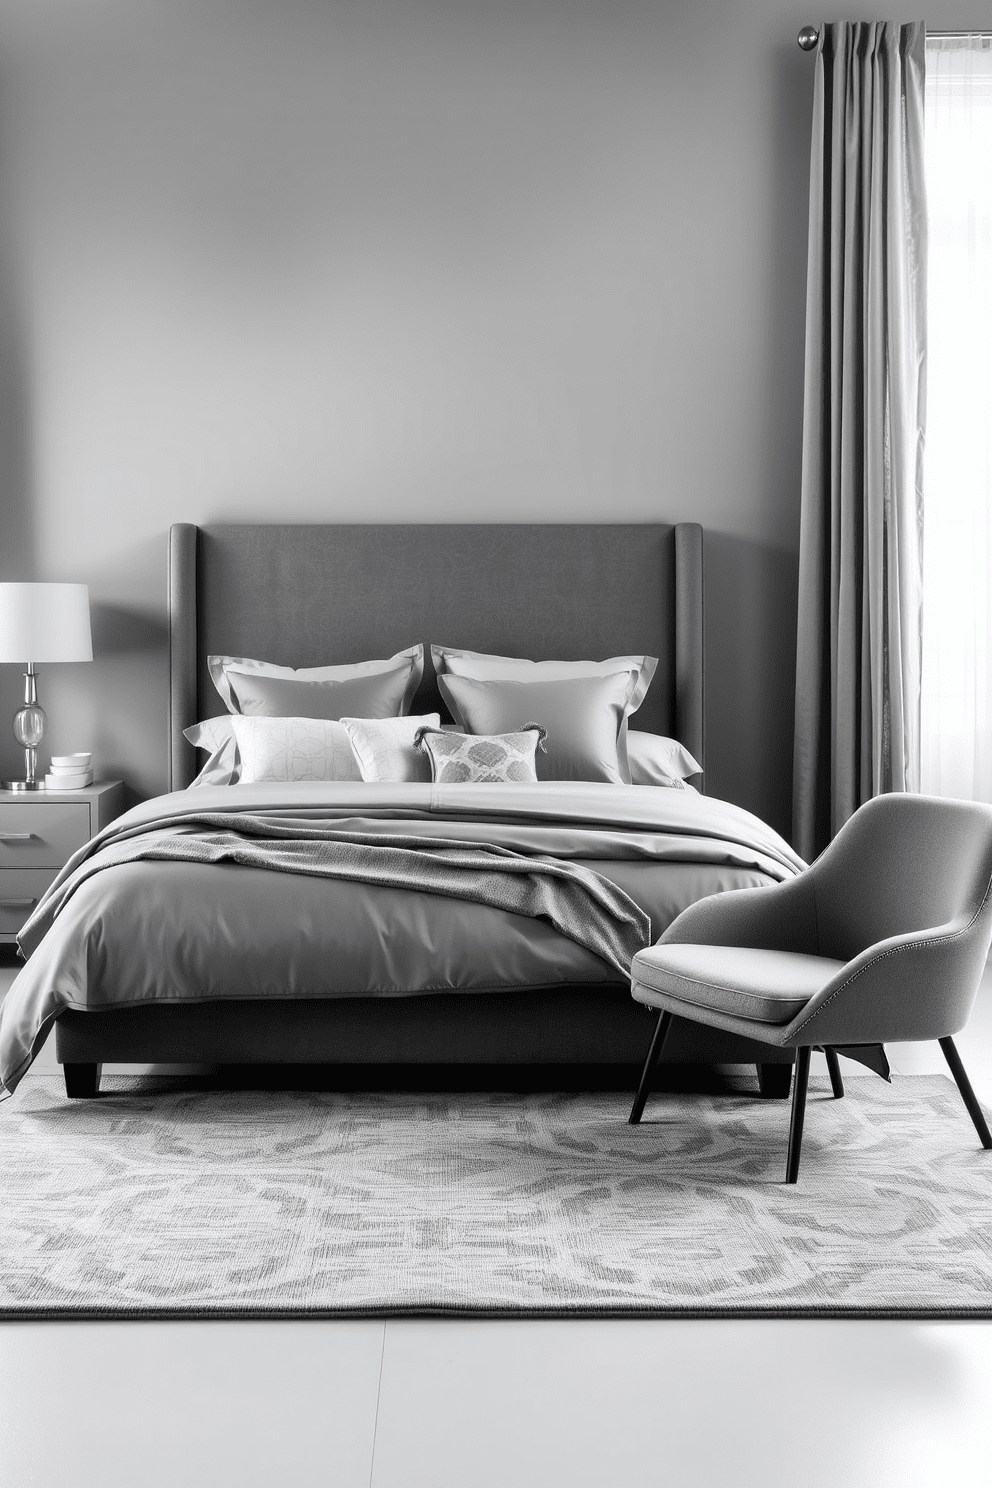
(903,863)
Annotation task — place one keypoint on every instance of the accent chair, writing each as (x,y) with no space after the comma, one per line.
(884,939)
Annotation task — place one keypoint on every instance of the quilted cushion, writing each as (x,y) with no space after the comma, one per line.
(767,986)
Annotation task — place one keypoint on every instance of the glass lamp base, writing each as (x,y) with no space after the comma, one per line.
(23,785)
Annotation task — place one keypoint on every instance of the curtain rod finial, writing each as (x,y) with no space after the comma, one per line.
(808,37)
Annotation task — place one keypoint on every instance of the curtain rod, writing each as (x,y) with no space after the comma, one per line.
(810,35)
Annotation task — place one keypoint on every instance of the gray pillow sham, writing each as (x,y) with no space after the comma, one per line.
(223,670)
(377,695)
(486,668)
(582,717)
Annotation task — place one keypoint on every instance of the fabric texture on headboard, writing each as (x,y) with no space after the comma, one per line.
(306,595)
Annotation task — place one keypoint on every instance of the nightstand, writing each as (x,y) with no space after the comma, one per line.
(39,832)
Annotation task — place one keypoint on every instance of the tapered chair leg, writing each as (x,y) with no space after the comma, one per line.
(967,1094)
(650,1064)
(800,1081)
(833,1066)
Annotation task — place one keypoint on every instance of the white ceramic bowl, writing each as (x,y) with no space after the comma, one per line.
(72,761)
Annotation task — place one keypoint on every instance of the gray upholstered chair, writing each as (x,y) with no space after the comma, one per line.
(883,939)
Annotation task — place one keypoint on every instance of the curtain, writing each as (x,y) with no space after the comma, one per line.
(957,565)
(860,564)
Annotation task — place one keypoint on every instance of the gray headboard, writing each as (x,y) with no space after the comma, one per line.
(304,595)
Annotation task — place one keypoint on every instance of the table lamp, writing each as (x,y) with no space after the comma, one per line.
(40,622)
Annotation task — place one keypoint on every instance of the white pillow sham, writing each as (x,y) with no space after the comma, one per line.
(293,749)
(216,737)
(385,748)
(656,760)
(220,667)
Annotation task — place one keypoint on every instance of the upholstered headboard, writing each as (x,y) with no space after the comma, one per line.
(304,595)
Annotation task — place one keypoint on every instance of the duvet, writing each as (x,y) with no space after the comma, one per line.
(344,889)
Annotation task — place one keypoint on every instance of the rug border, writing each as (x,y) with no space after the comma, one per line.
(647,1313)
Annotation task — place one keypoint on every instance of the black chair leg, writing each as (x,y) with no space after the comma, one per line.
(800,1081)
(967,1094)
(654,1054)
(833,1065)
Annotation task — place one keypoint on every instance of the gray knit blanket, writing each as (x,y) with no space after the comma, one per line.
(577,902)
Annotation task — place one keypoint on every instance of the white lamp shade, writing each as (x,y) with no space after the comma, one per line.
(45,622)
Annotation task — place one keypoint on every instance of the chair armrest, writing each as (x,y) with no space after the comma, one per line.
(916,986)
(781,917)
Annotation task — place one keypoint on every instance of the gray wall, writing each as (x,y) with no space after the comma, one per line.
(283,259)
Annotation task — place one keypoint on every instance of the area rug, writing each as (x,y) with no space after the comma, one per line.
(175,1202)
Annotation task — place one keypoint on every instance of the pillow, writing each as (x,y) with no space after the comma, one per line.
(492,668)
(294,749)
(386,748)
(481,759)
(216,736)
(410,662)
(582,717)
(376,695)
(655,760)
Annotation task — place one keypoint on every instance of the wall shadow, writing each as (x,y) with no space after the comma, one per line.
(118,630)
(750,615)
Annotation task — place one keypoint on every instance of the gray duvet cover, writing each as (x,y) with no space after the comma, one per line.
(145,930)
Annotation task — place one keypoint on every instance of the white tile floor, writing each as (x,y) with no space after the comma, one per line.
(475,1404)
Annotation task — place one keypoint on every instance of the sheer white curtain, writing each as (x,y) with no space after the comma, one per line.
(956,722)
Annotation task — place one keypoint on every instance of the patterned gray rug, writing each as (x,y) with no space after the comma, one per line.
(175,1203)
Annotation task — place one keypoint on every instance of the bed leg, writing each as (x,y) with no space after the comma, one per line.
(774,1080)
(82,1081)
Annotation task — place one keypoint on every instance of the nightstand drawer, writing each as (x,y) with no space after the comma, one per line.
(42,834)
(20,890)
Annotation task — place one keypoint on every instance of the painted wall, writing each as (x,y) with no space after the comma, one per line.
(284,259)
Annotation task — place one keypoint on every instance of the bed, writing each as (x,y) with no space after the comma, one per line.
(526,996)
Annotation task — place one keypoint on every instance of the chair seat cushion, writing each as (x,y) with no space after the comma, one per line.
(768,986)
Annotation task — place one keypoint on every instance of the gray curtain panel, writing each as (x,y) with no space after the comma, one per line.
(860,562)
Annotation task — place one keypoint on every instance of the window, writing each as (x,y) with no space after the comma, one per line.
(956,723)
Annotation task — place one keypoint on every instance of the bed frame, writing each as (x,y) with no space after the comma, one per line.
(305,595)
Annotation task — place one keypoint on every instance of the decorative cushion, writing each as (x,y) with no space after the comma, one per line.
(655,760)
(386,748)
(216,736)
(294,749)
(223,669)
(483,668)
(766,986)
(582,717)
(502,759)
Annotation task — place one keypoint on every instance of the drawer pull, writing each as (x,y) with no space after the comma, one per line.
(17,903)
(16,836)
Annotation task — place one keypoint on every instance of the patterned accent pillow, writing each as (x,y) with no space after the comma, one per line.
(293,749)
(479,759)
(385,748)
